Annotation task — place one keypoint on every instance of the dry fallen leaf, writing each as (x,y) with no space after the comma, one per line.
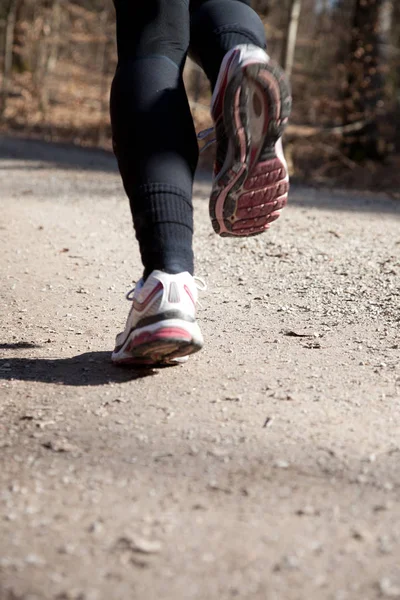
(137,544)
(60,446)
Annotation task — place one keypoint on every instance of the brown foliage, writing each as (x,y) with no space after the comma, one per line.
(57,59)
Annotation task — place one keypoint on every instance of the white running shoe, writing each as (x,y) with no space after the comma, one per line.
(250,107)
(161,327)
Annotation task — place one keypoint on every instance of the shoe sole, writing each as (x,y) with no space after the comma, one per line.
(252,188)
(160,344)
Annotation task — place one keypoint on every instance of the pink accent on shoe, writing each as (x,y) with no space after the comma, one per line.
(219,207)
(265,173)
(140,306)
(217,107)
(174,334)
(189,293)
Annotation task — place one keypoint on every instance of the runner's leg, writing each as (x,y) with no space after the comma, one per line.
(153,133)
(217,26)
(250,108)
(156,148)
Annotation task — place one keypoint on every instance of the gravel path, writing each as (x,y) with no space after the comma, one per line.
(266,468)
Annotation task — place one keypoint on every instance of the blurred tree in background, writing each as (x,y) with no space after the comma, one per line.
(57,59)
(367,71)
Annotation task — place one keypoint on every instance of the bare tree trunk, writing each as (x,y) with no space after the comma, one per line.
(8,53)
(42,61)
(19,62)
(290,38)
(47,53)
(103,64)
(366,78)
(55,37)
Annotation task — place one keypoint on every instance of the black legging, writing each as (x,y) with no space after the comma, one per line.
(153,133)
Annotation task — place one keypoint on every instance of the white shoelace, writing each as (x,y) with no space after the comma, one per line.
(199,283)
(203,135)
(129,295)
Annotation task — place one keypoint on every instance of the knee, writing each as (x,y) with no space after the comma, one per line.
(213,14)
(153,27)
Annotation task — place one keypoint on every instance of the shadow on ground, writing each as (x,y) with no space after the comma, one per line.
(343,200)
(19,346)
(91,368)
(47,155)
(54,155)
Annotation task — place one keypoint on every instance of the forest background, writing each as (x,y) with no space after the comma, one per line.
(58,57)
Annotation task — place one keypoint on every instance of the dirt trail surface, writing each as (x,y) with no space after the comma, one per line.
(268,467)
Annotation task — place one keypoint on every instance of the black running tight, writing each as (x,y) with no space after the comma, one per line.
(153,133)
